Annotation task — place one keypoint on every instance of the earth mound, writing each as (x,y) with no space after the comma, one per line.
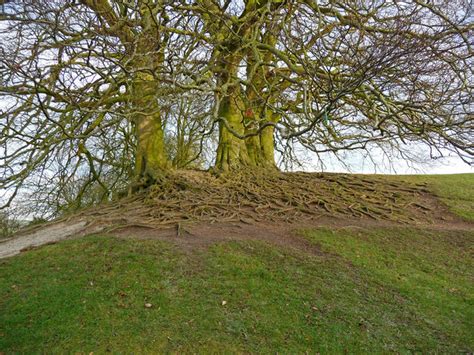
(271,197)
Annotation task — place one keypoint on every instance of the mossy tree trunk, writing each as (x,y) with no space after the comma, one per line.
(150,157)
(231,150)
(260,146)
(257,150)
(236,118)
(144,51)
(259,114)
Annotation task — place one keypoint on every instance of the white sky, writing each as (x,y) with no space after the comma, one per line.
(451,165)
(355,162)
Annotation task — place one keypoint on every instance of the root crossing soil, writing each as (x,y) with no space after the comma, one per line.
(195,208)
(272,197)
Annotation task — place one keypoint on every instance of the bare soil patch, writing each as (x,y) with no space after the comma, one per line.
(201,235)
(197,209)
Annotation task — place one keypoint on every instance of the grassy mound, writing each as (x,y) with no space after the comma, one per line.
(456,191)
(356,289)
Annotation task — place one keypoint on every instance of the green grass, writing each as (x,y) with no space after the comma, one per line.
(430,271)
(456,191)
(367,291)
(391,290)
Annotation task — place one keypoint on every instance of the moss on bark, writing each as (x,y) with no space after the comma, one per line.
(150,158)
(231,151)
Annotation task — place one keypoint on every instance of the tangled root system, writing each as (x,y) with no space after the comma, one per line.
(267,196)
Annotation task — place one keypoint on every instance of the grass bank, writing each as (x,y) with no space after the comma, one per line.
(456,191)
(386,290)
(356,290)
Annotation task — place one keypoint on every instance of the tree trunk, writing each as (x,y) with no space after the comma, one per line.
(259,99)
(231,150)
(267,140)
(260,147)
(243,112)
(150,158)
(257,151)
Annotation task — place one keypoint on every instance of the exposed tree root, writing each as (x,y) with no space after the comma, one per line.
(266,196)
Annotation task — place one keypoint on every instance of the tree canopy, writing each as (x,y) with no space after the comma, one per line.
(100,94)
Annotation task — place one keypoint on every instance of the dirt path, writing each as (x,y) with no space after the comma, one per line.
(249,208)
(202,235)
(191,236)
(50,233)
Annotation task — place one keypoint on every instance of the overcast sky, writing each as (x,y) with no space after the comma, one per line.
(355,162)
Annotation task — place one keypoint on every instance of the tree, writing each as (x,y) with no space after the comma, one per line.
(78,79)
(90,88)
(242,112)
(8,225)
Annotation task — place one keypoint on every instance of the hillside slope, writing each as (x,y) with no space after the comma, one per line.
(345,284)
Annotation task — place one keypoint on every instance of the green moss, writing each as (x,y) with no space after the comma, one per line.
(151,157)
(231,150)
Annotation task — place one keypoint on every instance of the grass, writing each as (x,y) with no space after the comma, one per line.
(430,272)
(456,191)
(389,290)
(366,291)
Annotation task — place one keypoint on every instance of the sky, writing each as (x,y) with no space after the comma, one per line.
(451,165)
(355,162)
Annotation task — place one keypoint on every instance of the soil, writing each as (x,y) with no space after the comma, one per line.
(201,235)
(205,212)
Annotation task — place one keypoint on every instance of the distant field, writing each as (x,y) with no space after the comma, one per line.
(353,289)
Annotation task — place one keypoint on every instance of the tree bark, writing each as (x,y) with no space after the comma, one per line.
(150,157)
(231,150)
(261,146)
(257,150)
